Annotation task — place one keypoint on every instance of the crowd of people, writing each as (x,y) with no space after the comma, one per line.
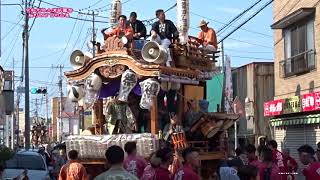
(267,163)
(264,163)
(157,167)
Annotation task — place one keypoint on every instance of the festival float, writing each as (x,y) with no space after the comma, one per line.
(127,84)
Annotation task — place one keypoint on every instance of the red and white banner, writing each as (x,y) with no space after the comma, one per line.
(311,101)
(273,108)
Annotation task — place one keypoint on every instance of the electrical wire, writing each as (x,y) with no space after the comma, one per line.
(255,44)
(60,58)
(11,29)
(248,57)
(100,9)
(10,22)
(81,29)
(244,29)
(234,39)
(224,28)
(34,19)
(247,20)
(242,51)
(45,56)
(73,10)
(91,5)
(14,41)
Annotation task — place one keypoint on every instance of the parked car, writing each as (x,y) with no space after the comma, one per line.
(29,163)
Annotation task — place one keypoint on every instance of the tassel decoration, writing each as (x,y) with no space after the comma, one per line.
(165,101)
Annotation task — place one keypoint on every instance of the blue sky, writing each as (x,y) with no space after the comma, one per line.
(52,40)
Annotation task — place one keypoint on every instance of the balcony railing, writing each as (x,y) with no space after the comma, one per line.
(298,64)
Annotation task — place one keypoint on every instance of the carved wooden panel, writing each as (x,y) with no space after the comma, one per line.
(112,71)
(114,44)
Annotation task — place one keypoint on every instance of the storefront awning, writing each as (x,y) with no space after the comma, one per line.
(297,120)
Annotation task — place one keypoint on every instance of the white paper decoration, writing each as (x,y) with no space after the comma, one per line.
(75,93)
(149,88)
(93,82)
(128,81)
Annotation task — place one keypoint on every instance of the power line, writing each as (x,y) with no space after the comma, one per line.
(95,3)
(149,21)
(11,22)
(12,28)
(45,56)
(73,10)
(249,57)
(91,5)
(101,9)
(11,50)
(241,51)
(75,43)
(35,17)
(247,20)
(224,28)
(255,44)
(244,29)
(74,25)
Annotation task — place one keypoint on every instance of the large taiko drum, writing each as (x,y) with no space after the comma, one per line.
(210,128)
(179,140)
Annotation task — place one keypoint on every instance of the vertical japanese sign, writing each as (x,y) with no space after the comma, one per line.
(228,91)
(273,108)
(311,101)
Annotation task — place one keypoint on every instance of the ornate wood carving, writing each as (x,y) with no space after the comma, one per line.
(190,56)
(114,44)
(112,71)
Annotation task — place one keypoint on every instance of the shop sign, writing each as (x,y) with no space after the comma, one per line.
(311,102)
(292,105)
(273,108)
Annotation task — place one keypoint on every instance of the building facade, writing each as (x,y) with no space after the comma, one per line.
(69,122)
(295,109)
(253,84)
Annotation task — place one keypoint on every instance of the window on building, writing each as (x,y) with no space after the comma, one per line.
(299,48)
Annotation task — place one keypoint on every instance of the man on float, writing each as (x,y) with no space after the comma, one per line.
(164,31)
(207,37)
(123,30)
(139,29)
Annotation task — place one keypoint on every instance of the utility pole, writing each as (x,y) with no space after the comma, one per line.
(93,36)
(26,73)
(47,109)
(13,121)
(36,112)
(60,104)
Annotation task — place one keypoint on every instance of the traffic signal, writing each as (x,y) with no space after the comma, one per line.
(40,90)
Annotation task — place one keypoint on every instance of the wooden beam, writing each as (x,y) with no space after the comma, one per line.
(154,116)
(98,117)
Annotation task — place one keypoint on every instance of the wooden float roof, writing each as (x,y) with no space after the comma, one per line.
(148,70)
(115,59)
